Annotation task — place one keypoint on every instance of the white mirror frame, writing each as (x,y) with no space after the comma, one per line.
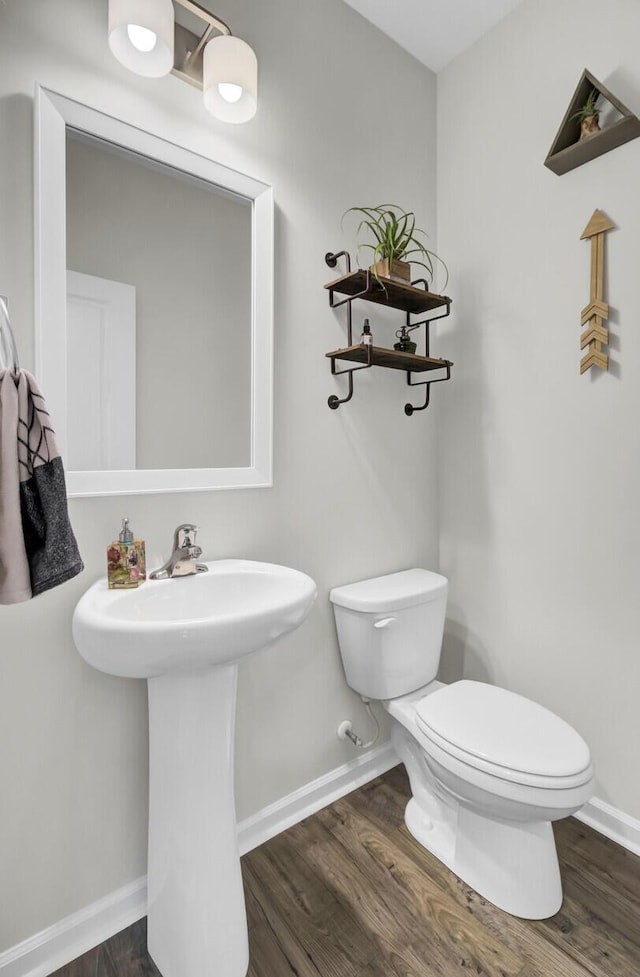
(53,113)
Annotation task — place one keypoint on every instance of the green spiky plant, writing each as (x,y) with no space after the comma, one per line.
(395,237)
(589,108)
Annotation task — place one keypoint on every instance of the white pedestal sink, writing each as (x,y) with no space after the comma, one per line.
(185,636)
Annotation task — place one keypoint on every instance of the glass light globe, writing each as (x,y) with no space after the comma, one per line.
(141,35)
(230,79)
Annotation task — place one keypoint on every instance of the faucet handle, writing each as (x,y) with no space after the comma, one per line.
(185,535)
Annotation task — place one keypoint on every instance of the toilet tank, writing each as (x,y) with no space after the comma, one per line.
(390,631)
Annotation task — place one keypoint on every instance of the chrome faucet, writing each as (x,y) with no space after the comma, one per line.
(183,560)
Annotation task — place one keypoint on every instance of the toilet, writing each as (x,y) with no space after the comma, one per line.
(489,769)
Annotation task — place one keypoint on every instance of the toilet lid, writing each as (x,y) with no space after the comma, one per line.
(502,729)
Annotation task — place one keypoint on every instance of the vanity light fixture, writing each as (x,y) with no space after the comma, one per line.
(155,37)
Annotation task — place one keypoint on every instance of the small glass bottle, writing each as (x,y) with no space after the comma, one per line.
(366,339)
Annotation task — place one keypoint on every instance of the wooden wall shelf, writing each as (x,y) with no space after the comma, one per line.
(568,151)
(392,359)
(361,284)
(410,299)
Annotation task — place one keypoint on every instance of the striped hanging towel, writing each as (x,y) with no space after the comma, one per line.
(38,549)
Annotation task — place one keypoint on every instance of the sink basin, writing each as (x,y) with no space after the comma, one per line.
(185,636)
(205,619)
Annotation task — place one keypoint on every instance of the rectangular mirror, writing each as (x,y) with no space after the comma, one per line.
(154,295)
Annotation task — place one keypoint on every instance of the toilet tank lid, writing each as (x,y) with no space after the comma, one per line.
(391,592)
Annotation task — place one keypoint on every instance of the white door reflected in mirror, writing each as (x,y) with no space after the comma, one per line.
(101,375)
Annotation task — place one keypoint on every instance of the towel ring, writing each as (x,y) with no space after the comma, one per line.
(8,349)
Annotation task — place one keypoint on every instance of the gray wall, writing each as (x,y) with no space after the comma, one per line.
(540,467)
(354,492)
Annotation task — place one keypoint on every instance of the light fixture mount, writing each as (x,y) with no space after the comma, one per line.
(193,29)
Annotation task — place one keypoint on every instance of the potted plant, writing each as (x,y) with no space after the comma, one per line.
(589,115)
(395,243)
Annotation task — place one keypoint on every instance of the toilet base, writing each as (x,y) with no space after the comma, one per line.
(512,864)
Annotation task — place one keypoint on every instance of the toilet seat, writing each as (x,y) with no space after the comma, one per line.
(504,735)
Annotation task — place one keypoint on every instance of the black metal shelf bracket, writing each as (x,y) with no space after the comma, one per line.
(409,409)
(332,260)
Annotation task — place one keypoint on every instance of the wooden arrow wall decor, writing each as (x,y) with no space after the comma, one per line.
(596,335)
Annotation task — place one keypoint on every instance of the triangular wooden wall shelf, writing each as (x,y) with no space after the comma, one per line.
(567,151)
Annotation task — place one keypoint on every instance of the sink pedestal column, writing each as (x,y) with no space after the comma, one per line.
(196,915)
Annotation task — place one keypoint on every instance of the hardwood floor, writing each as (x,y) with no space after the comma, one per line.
(349,893)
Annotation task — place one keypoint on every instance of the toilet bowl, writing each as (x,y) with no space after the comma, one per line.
(489,769)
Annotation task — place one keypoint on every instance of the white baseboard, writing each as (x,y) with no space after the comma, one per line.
(61,943)
(277,817)
(612,823)
(57,945)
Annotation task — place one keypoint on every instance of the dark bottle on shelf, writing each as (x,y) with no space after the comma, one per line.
(366,338)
